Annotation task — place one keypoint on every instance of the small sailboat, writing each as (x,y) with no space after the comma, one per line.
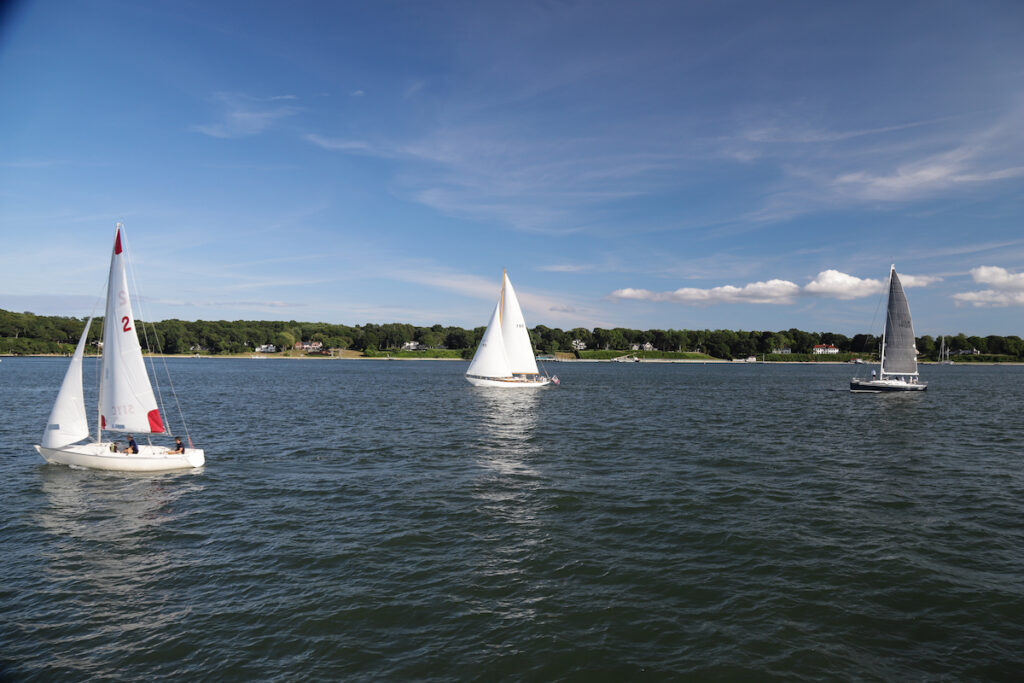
(505,356)
(944,353)
(899,349)
(126,400)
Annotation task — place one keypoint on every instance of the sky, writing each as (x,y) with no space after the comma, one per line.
(689,165)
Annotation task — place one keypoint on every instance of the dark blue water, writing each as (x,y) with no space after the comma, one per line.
(385,520)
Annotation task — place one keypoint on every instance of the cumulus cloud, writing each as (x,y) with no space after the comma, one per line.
(828,283)
(837,285)
(770,292)
(999,278)
(1005,288)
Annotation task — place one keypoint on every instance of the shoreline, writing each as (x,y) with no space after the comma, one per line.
(659,361)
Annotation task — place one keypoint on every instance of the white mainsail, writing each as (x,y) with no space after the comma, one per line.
(899,349)
(490,359)
(68,422)
(127,403)
(513,329)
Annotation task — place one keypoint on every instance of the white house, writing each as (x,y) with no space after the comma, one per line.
(578,345)
(825,348)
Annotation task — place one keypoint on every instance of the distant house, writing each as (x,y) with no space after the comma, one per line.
(578,345)
(413,346)
(825,349)
(783,350)
(648,346)
(266,348)
(967,352)
(308,347)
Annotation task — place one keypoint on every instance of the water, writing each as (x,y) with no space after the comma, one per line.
(385,520)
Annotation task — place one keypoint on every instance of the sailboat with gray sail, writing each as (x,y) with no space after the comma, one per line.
(899,349)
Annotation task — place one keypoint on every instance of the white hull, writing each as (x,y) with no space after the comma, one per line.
(876,386)
(100,457)
(508,382)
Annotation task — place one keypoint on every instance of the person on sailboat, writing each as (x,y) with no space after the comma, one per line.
(132,447)
(874,376)
(178,446)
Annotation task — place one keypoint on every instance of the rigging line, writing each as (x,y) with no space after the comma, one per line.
(167,372)
(152,364)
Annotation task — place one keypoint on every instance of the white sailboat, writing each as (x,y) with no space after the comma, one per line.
(126,400)
(944,353)
(899,349)
(505,356)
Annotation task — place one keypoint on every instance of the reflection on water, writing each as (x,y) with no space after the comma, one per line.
(104,525)
(507,421)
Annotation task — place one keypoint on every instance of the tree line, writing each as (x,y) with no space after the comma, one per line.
(27,333)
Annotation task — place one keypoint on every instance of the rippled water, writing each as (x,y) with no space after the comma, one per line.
(372,520)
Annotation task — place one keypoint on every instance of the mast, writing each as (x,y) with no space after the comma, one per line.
(501,302)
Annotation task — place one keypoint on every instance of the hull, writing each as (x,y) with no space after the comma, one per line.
(508,382)
(100,457)
(884,385)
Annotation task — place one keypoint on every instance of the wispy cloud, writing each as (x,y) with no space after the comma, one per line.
(243,115)
(1005,288)
(338,144)
(538,308)
(566,268)
(828,283)
(825,170)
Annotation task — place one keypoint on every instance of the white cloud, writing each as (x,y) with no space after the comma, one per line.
(244,115)
(837,285)
(828,283)
(1000,278)
(990,297)
(357,93)
(1006,288)
(770,292)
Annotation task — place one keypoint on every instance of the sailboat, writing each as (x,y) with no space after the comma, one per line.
(899,351)
(944,354)
(505,356)
(126,400)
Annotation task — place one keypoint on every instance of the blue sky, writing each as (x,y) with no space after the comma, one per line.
(742,165)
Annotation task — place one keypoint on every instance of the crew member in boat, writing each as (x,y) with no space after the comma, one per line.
(873,376)
(132,447)
(179,447)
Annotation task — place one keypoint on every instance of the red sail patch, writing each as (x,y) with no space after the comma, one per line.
(117,243)
(103,421)
(156,425)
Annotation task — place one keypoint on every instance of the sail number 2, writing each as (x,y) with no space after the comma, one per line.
(122,410)
(122,298)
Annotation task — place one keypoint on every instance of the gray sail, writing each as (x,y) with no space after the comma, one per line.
(900,350)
